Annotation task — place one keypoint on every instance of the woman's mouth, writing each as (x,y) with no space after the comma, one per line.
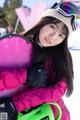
(47,40)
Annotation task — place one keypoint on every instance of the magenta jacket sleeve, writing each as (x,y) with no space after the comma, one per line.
(12,78)
(35,96)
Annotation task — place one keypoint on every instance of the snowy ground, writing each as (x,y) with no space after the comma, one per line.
(73,102)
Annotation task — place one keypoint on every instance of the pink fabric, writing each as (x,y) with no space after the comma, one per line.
(12,78)
(27,18)
(35,96)
(13,52)
(40,95)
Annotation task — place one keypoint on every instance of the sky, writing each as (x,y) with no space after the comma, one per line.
(29,3)
(1,2)
(49,2)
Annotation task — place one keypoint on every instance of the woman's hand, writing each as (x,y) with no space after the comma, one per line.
(37,75)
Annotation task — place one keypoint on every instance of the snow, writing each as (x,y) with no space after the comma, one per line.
(73,102)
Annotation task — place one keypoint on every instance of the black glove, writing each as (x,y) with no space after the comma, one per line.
(37,76)
(7,109)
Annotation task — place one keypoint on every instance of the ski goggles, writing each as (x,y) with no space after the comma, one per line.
(68,9)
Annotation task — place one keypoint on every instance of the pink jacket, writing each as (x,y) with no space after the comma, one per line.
(12,78)
(33,96)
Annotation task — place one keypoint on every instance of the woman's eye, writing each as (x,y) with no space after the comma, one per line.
(61,35)
(52,27)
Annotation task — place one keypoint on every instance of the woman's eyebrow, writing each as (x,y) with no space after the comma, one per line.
(55,25)
(63,33)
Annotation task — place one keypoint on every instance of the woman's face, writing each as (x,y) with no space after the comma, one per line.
(51,34)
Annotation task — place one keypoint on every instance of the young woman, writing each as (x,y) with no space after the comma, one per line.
(51,73)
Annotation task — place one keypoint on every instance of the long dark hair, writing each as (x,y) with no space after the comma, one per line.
(57,56)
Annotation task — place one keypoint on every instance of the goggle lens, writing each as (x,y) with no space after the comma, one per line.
(70,9)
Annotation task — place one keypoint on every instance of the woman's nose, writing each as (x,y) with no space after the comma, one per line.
(52,35)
